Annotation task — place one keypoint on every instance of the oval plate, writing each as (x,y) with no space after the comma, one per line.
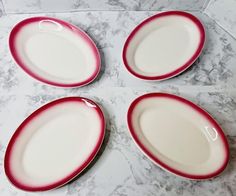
(54,144)
(54,52)
(178,136)
(163,45)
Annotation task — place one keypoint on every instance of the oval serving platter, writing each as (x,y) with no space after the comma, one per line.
(163,45)
(54,52)
(178,135)
(54,144)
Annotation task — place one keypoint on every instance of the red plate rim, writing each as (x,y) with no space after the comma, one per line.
(72,175)
(182,68)
(155,159)
(75,29)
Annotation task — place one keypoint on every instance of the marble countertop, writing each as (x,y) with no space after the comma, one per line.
(120,168)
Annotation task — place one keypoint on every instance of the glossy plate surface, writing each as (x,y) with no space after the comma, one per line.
(54,52)
(54,144)
(178,136)
(164,45)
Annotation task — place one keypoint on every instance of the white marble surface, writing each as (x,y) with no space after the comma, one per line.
(223,12)
(33,6)
(120,168)
(1,9)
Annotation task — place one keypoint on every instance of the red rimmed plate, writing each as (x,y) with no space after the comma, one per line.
(54,52)
(163,45)
(178,135)
(54,144)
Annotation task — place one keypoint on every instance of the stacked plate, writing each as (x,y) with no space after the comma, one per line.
(60,139)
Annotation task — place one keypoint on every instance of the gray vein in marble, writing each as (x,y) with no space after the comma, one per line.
(2,11)
(223,12)
(37,6)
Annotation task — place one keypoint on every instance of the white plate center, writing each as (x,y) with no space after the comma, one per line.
(163,45)
(56,54)
(174,136)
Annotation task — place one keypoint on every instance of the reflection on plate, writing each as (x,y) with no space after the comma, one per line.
(54,51)
(54,144)
(178,135)
(164,45)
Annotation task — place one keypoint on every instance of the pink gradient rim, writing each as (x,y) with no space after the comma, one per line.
(162,164)
(67,25)
(76,172)
(182,68)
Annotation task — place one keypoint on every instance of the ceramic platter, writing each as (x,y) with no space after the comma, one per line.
(164,45)
(54,144)
(178,136)
(54,52)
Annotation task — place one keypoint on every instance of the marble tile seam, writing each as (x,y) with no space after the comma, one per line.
(205,5)
(181,88)
(219,25)
(3,8)
(96,10)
